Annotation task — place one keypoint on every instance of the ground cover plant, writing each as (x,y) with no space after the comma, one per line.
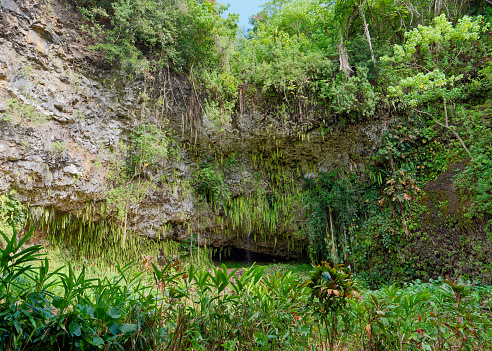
(178,307)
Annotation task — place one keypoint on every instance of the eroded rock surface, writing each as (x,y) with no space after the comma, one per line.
(64,112)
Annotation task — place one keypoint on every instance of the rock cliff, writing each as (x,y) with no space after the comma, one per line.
(66,115)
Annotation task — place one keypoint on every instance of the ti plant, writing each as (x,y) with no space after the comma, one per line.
(331,288)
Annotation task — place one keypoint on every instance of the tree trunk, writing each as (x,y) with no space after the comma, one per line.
(366,31)
(457,136)
(343,30)
(343,57)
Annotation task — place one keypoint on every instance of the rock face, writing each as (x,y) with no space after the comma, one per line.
(64,114)
(445,242)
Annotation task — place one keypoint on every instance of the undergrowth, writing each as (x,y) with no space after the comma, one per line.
(173,307)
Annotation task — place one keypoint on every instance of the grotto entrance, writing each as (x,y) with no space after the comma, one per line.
(235,255)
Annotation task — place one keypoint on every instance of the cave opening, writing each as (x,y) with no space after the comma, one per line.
(237,255)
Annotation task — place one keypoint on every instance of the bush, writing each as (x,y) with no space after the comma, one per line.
(12,212)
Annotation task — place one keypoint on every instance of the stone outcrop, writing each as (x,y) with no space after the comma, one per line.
(65,111)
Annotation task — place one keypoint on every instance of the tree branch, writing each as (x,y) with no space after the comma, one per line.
(449,128)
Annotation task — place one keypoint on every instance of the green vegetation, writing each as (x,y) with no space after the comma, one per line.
(209,184)
(59,147)
(12,212)
(304,61)
(178,308)
(311,66)
(22,112)
(476,179)
(419,208)
(440,46)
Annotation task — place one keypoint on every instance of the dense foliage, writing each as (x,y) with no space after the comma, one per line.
(176,308)
(311,59)
(313,67)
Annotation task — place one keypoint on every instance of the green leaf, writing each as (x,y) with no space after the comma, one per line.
(17,326)
(100,313)
(114,328)
(97,341)
(114,313)
(128,328)
(74,329)
(59,302)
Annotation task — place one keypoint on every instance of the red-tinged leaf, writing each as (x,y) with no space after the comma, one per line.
(407,197)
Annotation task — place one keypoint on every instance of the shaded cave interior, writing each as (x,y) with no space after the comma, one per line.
(238,255)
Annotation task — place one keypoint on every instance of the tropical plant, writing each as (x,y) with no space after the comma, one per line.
(335,206)
(12,212)
(331,288)
(149,148)
(208,183)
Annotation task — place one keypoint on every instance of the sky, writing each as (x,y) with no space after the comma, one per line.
(245,8)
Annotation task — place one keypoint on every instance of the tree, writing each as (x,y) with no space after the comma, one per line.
(134,30)
(343,14)
(429,55)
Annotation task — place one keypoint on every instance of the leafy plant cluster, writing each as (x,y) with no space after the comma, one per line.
(441,51)
(440,75)
(304,60)
(176,309)
(426,316)
(12,212)
(328,53)
(134,168)
(331,289)
(148,35)
(334,205)
(347,224)
(271,209)
(19,112)
(149,149)
(180,308)
(59,147)
(443,314)
(208,183)
(476,182)
(67,310)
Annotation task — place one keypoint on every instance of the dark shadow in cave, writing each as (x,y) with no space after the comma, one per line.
(236,255)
